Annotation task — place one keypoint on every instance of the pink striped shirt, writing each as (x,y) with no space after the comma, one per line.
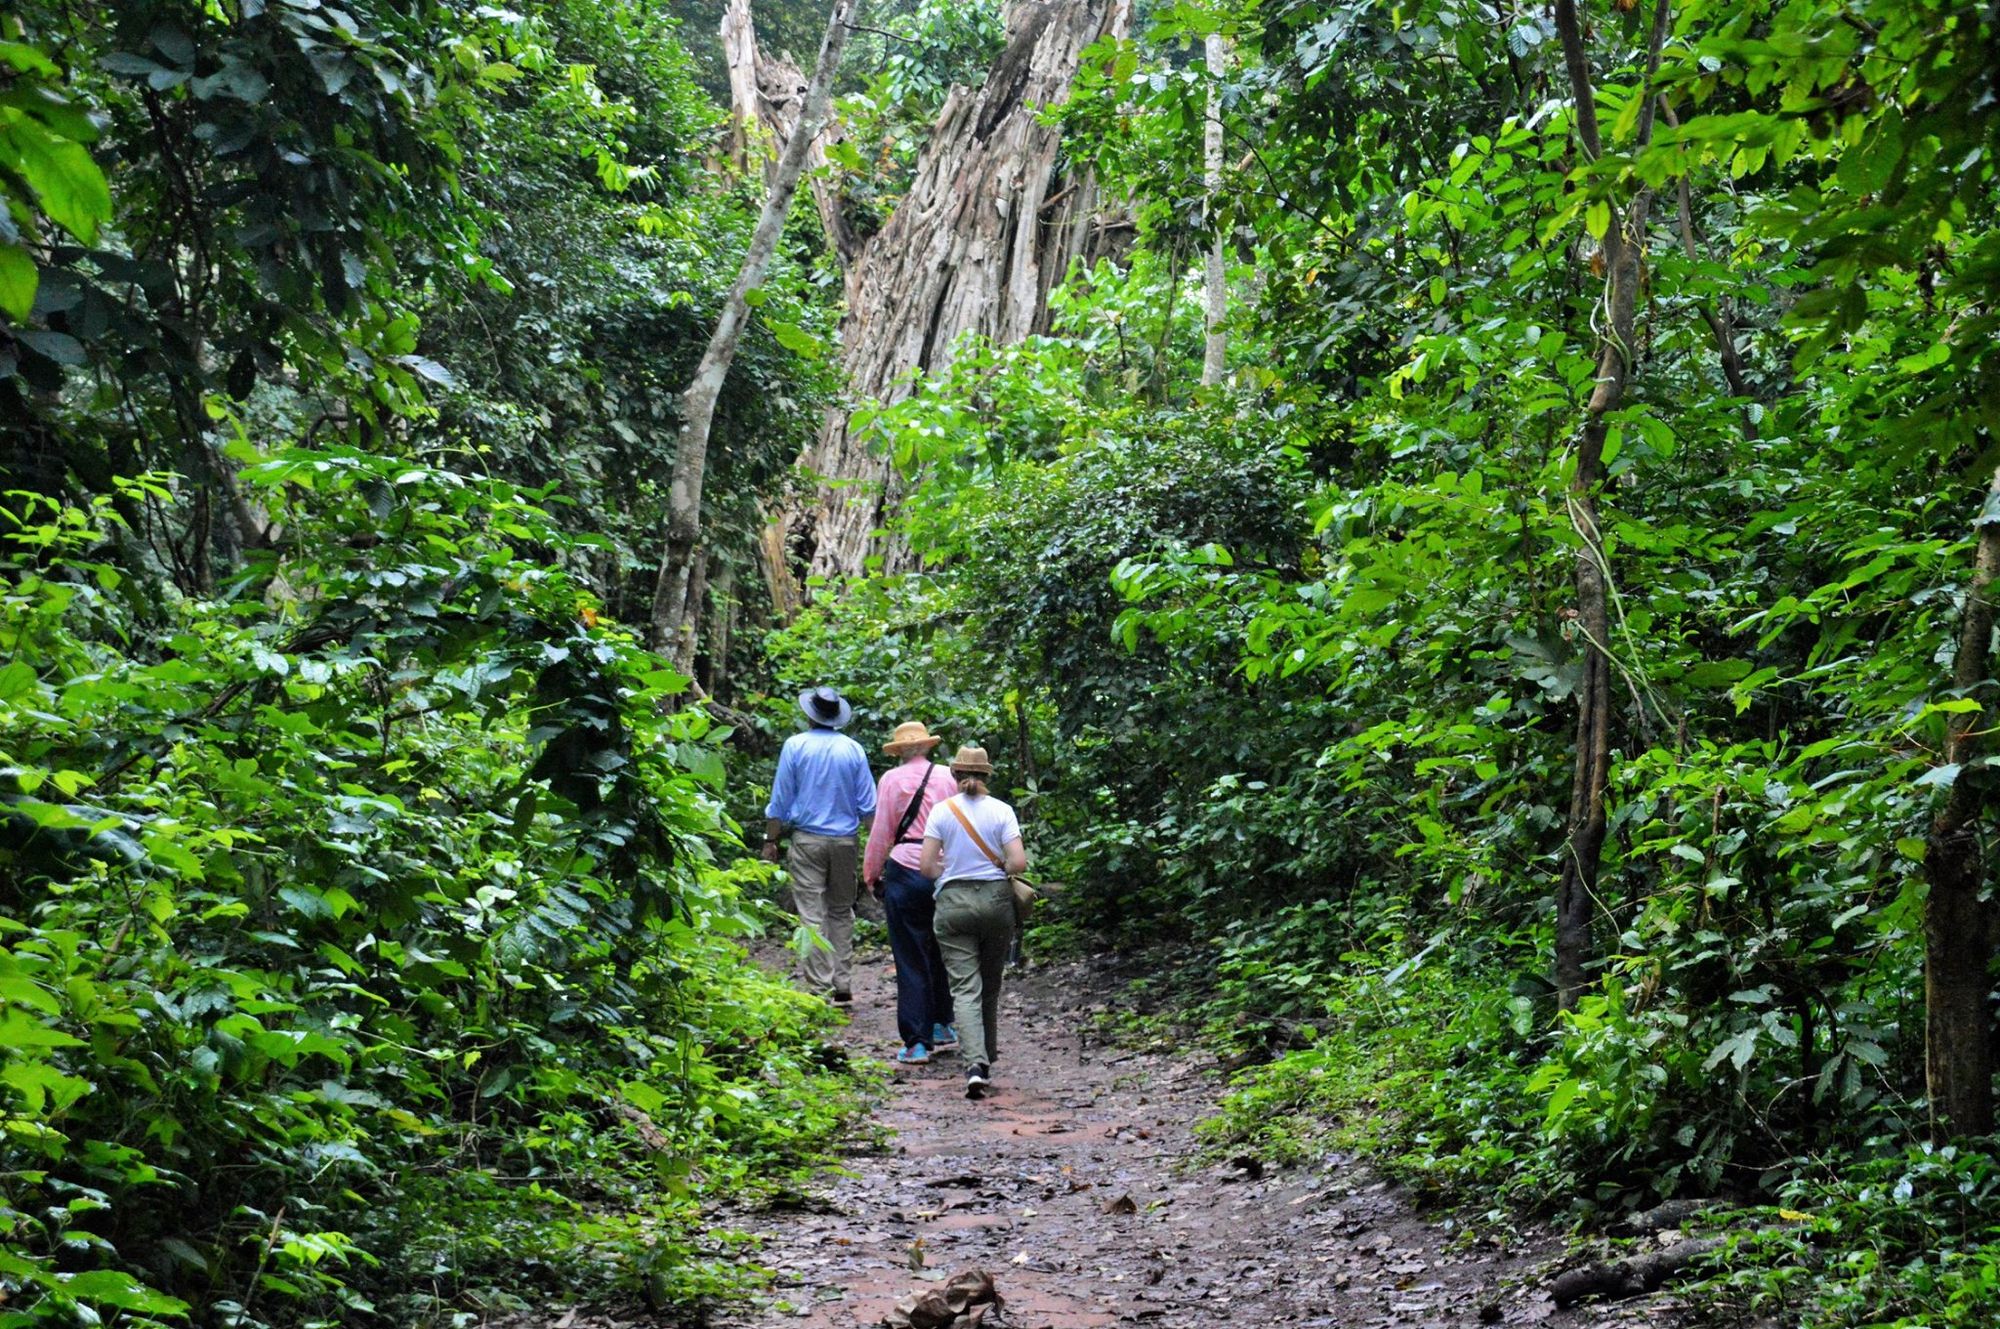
(892,798)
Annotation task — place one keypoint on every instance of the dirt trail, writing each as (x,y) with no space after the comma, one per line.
(1071,1184)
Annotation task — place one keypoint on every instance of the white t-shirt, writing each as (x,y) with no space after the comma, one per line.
(962,859)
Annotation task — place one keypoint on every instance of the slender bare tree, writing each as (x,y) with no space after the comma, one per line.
(739,55)
(1624,248)
(1215,349)
(675,614)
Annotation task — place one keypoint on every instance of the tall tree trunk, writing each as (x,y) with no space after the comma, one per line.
(683,651)
(739,56)
(1215,286)
(672,622)
(1958,925)
(769,90)
(722,622)
(975,246)
(1624,247)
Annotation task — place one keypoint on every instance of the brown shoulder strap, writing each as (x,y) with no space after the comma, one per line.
(966,822)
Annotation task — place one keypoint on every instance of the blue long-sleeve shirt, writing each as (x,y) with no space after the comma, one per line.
(823,784)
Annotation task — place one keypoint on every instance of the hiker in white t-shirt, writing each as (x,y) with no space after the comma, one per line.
(972,844)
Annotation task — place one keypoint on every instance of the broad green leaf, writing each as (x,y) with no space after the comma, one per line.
(1717,673)
(18,280)
(21,1033)
(795,338)
(27,60)
(1866,168)
(66,181)
(59,347)
(16,678)
(116,1288)
(1560,1098)
(1738,1049)
(42,1087)
(424,367)
(1597,218)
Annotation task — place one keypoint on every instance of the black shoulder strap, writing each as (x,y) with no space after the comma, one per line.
(916,801)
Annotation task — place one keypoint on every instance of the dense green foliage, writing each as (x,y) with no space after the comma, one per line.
(371,903)
(369,928)
(371,922)
(1303,651)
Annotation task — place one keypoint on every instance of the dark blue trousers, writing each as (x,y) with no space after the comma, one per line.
(923,992)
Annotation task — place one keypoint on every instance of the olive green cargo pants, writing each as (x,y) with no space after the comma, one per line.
(974,926)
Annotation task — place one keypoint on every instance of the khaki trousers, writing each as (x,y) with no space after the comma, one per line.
(824,873)
(974,926)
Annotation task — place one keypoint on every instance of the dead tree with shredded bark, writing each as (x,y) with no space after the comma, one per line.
(767,91)
(990,225)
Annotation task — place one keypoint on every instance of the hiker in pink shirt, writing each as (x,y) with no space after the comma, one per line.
(903,801)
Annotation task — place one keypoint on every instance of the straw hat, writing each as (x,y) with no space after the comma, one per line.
(823,705)
(909,736)
(971,761)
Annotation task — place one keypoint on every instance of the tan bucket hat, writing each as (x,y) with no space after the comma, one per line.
(971,761)
(909,736)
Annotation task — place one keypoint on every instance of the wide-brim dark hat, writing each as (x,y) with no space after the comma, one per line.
(823,705)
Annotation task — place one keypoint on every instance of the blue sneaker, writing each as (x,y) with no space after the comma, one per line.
(944,1037)
(914,1055)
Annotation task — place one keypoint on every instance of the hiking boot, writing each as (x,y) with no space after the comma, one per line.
(842,997)
(976,1083)
(916,1054)
(943,1038)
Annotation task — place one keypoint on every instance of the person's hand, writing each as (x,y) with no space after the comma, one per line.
(875,887)
(770,851)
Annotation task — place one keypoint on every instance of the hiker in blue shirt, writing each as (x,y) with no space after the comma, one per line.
(825,793)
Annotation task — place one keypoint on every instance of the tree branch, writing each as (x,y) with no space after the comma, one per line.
(1655,42)
(1715,311)
(1577,61)
(882,32)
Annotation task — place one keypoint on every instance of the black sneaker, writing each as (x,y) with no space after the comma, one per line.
(841,998)
(976,1082)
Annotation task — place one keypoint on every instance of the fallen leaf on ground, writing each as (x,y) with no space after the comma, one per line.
(961,1303)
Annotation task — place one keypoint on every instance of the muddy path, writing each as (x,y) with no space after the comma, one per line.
(1075,1185)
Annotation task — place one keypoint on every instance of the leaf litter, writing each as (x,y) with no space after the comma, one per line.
(995,1213)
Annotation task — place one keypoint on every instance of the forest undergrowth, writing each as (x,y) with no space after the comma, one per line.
(1484,550)
(373,923)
